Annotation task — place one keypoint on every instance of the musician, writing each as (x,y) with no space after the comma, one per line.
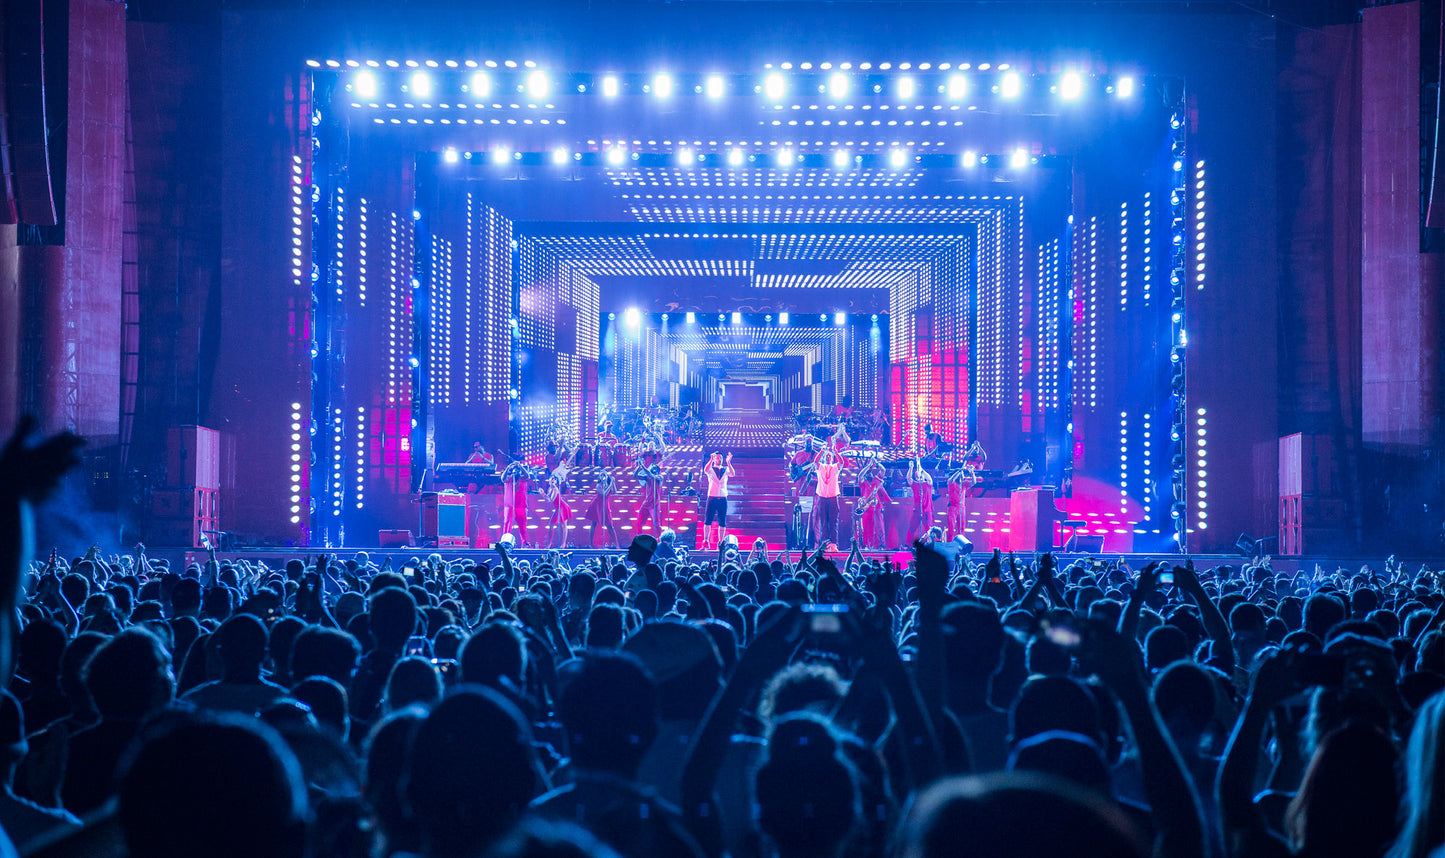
(481,499)
(843,411)
(839,443)
(827,508)
(717,471)
(920,483)
(800,462)
(481,456)
(516,479)
(959,482)
(599,512)
(872,503)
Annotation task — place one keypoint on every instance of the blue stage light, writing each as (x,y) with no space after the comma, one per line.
(500,155)
(1071,86)
(662,85)
(838,85)
(840,159)
(1124,87)
(735,158)
(1011,85)
(957,86)
(559,155)
(615,156)
(1019,159)
(609,86)
(897,158)
(906,87)
(775,86)
(538,84)
(970,158)
(421,84)
(783,318)
(715,87)
(691,317)
(450,156)
(481,85)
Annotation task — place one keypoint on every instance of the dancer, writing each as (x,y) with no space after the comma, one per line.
(556,485)
(921,484)
(827,508)
(800,463)
(959,483)
(873,500)
(839,443)
(649,474)
(599,512)
(516,479)
(717,472)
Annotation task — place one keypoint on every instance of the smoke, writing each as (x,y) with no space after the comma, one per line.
(69,522)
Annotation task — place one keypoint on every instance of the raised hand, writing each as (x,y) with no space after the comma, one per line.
(32,471)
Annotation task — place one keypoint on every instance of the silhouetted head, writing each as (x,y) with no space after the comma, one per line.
(495,650)
(320,651)
(241,641)
(412,680)
(1048,703)
(328,702)
(393,618)
(806,791)
(608,708)
(1347,803)
(129,676)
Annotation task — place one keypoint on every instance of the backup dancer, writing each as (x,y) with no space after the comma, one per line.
(649,475)
(717,472)
(599,512)
(516,478)
(959,482)
(921,484)
(556,485)
(873,500)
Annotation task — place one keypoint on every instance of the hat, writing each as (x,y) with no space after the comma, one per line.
(669,649)
(642,548)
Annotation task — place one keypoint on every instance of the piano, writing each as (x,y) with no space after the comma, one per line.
(465,473)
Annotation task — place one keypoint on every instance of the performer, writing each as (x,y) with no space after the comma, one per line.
(481,499)
(839,443)
(873,500)
(717,472)
(921,484)
(649,474)
(556,485)
(827,509)
(480,456)
(800,462)
(843,410)
(600,512)
(959,483)
(516,478)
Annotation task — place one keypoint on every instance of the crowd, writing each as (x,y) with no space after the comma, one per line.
(647,705)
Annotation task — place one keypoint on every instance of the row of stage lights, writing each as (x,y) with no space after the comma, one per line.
(368,85)
(839,159)
(633,317)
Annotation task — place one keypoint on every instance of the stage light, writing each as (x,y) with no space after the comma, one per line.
(421,84)
(363,84)
(685,156)
(1019,159)
(840,318)
(691,317)
(1011,85)
(722,317)
(775,86)
(970,158)
(715,87)
(840,159)
(538,85)
(737,318)
(735,158)
(957,86)
(897,158)
(662,85)
(1071,86)
(559,155)
(450,156)
(783,317)
(785,157)
(633,317)
(838,85)
(1124,87)
(906,87)
(481,84)
(615,156)
(822,317)
(609,86)
(500,155)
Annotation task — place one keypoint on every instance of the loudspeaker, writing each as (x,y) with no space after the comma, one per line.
(1085,544)
(394,538)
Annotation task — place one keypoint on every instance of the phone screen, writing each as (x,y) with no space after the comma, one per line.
(1166,577)
(825,619)
(417,645)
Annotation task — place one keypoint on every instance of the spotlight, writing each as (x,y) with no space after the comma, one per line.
(735,158)
(363,83)
(685,156)
(611,317)
(615,156)
(1011,85)
(481,85)
(559,155)
(633,317)
(785,157)
(957,86)
(450,156)
(500,155)
(897,158)
(840,159)
(1019,159)
(1124,87)
(715,87)
(840,318)
(537,84)
(906,87)
(664,317)
(737,318)
(662,85)
(775,86)
(970,158)
(1071,86)
(421,84)
(875,318)
(783,317)
(609,86)
(822,317)
(838,85)
(691,317)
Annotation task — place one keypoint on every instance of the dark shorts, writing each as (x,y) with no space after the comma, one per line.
(717,508)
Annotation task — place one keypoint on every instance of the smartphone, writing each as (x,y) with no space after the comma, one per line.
(1166,577)
(1327,671)
(1062,634)
(408,572)
(447,667)
(417,645)
(825,619)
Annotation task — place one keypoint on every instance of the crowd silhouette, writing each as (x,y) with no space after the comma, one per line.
(913,705)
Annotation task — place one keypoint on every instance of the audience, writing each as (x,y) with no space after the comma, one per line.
(676,705)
